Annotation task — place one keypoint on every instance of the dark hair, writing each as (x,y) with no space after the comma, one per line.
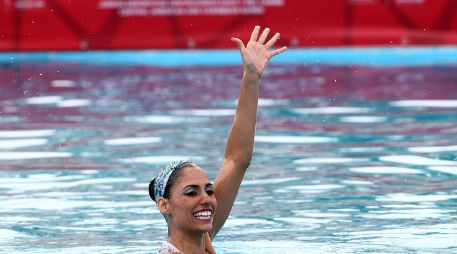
(171,180)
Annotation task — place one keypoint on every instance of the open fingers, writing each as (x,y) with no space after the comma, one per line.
(264,35)
(277,51)
(255,33)
(272,41)
(238,42)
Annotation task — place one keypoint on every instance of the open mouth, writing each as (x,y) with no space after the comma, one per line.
(203,215)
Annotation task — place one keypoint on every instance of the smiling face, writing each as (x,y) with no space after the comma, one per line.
(192,202)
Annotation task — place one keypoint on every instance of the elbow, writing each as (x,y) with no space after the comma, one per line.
(242,161)
(244,164)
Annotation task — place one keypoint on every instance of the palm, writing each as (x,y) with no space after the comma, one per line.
(255,57)
(257,53)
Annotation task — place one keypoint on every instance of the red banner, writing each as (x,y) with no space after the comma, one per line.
(169,24)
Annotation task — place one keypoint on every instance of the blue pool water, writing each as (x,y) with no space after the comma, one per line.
(356,149)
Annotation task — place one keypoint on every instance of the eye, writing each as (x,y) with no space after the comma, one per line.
(209,190)
(190,192)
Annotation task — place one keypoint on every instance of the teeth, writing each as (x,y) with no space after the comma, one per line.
(203,214)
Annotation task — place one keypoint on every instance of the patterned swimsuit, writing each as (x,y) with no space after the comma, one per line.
(168,248)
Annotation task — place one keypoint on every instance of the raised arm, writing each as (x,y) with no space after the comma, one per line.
(240,143)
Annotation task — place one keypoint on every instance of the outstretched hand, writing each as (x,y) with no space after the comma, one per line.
(256,54)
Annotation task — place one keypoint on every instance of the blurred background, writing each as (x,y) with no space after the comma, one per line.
(172,24)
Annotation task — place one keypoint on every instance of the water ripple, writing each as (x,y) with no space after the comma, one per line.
(26,133)
(432,149)
(330,160)
(33,155)
(294,139)
(331,110)
(425,103)
(413,198)
(132,141)
(445,169)
(160,159)
(385,170)
(21,143)
(416,160)
(339,165)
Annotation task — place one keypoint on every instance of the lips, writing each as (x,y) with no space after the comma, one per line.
(204,215)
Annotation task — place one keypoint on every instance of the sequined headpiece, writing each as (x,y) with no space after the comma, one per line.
(162,179)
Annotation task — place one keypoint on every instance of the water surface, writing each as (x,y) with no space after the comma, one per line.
(348,158)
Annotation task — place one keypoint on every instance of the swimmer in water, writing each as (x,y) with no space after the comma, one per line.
(194,208)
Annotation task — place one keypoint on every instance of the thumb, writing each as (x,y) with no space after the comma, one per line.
(238,42)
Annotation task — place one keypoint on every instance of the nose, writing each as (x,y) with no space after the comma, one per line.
(208,200)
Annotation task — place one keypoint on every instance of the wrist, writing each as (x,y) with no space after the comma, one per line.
(251,75)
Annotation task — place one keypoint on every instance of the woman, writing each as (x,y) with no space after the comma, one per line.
(194,208)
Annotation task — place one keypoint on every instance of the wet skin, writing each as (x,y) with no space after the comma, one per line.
(192,204)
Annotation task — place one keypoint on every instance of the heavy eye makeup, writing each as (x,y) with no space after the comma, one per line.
(193,190)
(209,188)
(190,191)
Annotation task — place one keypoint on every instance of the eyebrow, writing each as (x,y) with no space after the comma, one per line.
(196,186)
